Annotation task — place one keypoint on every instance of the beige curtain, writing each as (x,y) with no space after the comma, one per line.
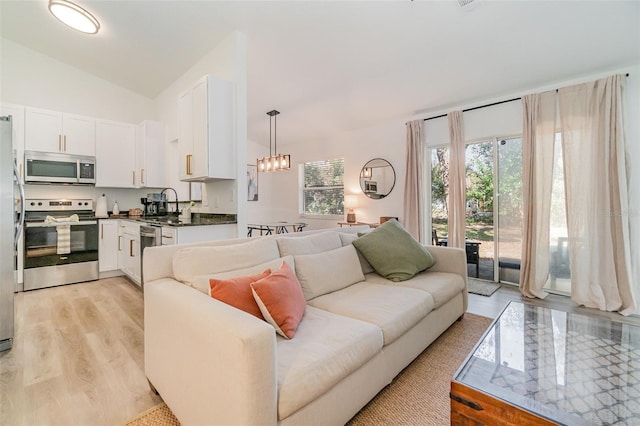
(457,183)
(414,185)
(538,135)
(596,190)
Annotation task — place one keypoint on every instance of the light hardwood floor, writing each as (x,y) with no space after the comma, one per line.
(78,355)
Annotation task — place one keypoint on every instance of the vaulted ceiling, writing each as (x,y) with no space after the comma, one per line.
(336,66)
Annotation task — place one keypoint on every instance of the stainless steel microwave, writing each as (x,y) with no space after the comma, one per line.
(49,167)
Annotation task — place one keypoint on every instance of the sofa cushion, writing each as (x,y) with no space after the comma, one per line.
(394,309)
(280,300)
(442,286)
(322,273)
(237,292)
(201,282)
(190,262)
(326,349)
(314,243)
(348,239)
(393,252)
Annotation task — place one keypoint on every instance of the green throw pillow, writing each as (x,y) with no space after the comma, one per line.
(393,252)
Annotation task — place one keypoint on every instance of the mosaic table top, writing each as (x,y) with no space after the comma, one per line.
(570,368)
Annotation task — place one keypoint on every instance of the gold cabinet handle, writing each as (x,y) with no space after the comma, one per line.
(142,176)
(133,177)
(119,241)
(59,142)
(130,248)
(189,164)
(102,231)
(65,143)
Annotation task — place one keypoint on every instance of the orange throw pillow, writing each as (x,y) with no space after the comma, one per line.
(281,301)
(237,292)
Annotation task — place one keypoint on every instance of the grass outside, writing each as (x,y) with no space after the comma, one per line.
(483,233)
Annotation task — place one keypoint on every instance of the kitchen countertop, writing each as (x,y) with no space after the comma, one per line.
(197,219)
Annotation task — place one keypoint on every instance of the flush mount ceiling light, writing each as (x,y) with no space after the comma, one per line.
(74,16)
(278,161)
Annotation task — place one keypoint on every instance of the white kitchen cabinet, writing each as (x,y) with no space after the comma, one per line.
(108,245)
(115,154)
(129,250)
(53,131)
(150,150)
(206,138)
(193,234)
(17,137)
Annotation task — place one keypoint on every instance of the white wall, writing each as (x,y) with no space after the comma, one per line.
(228,60)
(30,78)
(279,190)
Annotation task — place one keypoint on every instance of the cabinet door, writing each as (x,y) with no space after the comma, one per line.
(221,159)
(115,155)
(150,154)
(108,246)
(17,138)
(185,141)
(199,161)
(78,134)
(43,130)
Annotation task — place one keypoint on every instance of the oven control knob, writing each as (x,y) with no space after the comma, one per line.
(39,203)
(32,203)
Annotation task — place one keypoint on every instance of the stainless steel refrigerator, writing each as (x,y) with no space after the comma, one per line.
(10,228)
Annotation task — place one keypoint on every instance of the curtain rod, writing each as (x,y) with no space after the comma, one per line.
(484,106)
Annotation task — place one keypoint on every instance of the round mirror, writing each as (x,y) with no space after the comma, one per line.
(377,178)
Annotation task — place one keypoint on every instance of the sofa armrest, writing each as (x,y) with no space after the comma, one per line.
(451,259)
(210,362)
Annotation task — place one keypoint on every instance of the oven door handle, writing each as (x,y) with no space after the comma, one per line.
(49,225)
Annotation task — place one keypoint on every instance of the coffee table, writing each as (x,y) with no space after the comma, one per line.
(538,366)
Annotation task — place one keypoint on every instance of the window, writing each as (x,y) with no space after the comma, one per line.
(323,188)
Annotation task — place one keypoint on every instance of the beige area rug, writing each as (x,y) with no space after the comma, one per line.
(418,396)
(483,288)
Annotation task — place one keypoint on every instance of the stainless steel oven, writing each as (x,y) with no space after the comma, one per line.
(60,243)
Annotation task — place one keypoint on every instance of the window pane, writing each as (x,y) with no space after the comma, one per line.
(324,173)
(323,192)
(439,192)
(329,201)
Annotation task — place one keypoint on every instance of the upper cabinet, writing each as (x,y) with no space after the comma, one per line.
(130,156)
(206,141)
(17,120)
(115,154)
(53,131)
(150,149)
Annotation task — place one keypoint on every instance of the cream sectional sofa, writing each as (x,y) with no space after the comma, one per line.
(215,364)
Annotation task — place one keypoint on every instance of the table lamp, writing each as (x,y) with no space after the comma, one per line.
(351,202)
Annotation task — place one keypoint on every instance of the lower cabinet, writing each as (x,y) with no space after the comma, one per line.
(108,245)
(193,234)
(129,250)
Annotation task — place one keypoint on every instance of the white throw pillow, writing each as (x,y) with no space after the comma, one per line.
(326,272)
(201,282)
(314,243)
(190,262)
(348,239)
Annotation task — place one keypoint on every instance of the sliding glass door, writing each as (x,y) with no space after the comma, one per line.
(493,207)
(509,209)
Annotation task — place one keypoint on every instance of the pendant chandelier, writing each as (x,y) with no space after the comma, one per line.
(278,161)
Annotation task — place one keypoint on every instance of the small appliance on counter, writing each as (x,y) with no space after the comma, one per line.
(101,207)
(155,204)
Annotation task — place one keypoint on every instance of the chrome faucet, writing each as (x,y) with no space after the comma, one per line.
(176,194)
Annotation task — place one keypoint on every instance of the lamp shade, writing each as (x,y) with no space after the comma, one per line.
(350,201)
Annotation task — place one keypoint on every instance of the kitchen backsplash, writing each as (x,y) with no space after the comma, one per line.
(126,198)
